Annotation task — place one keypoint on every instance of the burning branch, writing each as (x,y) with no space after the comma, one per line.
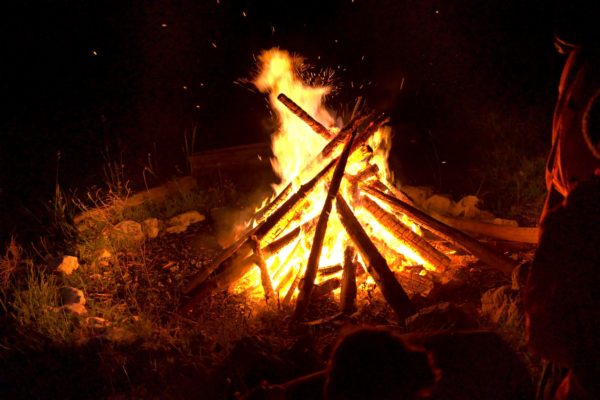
(304,116)
(446,232)
(315,251)
(406,235)
(376,265)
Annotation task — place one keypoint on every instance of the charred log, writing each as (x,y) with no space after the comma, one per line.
(315,125)
(375,263)
(446,232)
(319,237)
(406,235)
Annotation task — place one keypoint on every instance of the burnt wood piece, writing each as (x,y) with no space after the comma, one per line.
(320,230)
(273,204)
(235,271)
(315,125)
(518,234)
(265,279)
(454,236)
(334,269)
(271,226)
(348,293)
(323,289)
(379,185)
(402,232)
(375,263)
(292,289)
(414,283)
(357,106)
(204,273)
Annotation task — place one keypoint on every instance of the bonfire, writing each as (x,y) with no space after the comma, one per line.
(336,222)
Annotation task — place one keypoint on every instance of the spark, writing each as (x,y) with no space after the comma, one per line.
(244,14)
(184,87)
(213,44)
(163,25)
(402,83)
(197,105)
(94,53)
(437,11)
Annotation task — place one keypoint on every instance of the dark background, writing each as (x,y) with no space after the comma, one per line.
(469,84)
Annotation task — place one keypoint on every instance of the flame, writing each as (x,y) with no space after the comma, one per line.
(294,143)
(295,146)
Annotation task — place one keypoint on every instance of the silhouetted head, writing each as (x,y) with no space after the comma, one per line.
(377,364)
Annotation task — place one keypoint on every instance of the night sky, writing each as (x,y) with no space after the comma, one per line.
(125,80)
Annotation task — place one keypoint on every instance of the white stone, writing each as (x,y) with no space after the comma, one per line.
(180,223)
(68,265)
(151,228)
(128,230)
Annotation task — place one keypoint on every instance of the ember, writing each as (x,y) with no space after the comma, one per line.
(335,210)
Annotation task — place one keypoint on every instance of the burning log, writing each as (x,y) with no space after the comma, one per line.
(237,270)
(322,290)
(446,232)
(348,294)
(376,265)
(405,234)
(290,293)
(304,116)
(326,271)
(270,227)
(265,279)
(415,283)
(370,123)
(319,237)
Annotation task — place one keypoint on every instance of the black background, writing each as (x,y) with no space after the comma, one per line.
(129,78)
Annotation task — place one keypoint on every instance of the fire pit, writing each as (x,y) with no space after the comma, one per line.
(336,222)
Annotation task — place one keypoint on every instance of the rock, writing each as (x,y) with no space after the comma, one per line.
(180,223)
(151,227)
(128,231)
(71,295)
(75,309)
(441,316)
(97,323)
(72,300)
(502,306)
(68,265)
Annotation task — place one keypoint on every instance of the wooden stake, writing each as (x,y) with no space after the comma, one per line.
(304,116)
(319,237)
(271,226)
(265,279)
(348,294)
(419,245)
(375,263)
(446,232)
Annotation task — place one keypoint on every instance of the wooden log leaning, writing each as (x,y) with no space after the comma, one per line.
(446,232)
(236,271)
(376,265)
(368,122)
(348,293)
(319,237)
(270,226)
(402,232)
(315,125)
(265,279)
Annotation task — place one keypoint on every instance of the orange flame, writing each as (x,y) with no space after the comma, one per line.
(295,145)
